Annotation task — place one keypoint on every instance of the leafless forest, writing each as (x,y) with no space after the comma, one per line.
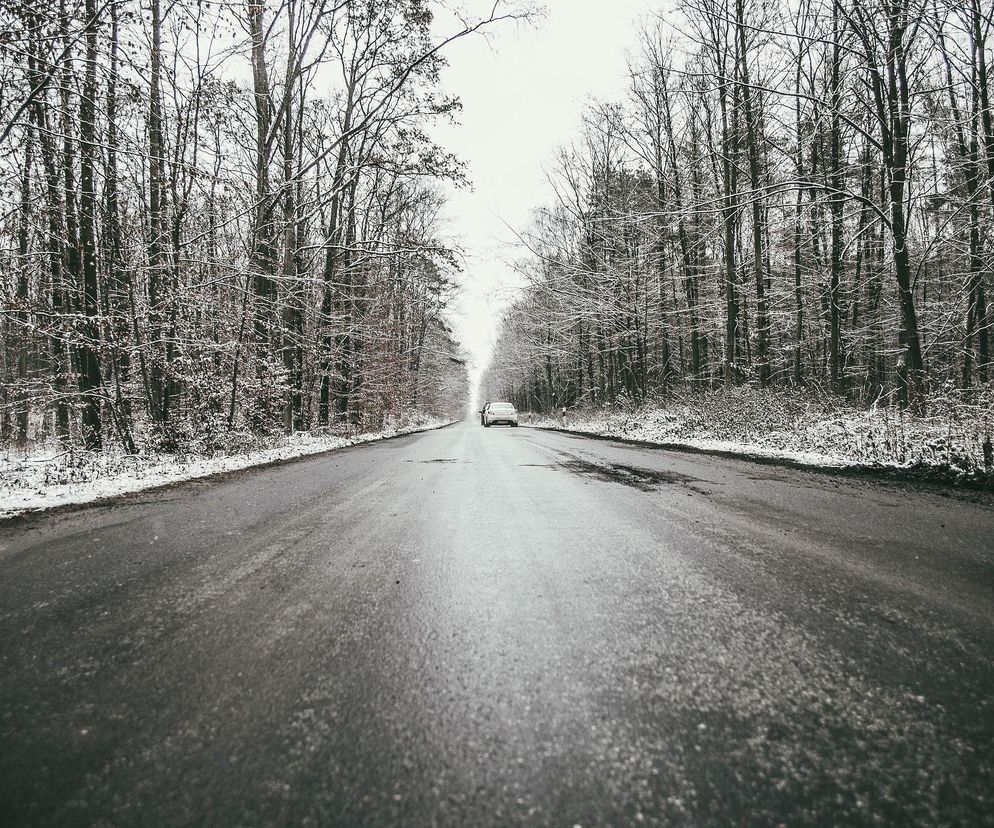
(792,194)
(222,217)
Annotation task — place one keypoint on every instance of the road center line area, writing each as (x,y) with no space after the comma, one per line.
(502,626)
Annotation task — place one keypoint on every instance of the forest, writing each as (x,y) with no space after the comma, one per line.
(792,195)
(223,218)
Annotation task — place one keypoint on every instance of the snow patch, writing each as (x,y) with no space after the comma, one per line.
(40,480)
(953,439)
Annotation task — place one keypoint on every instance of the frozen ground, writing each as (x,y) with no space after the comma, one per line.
(951,440)
(45,479)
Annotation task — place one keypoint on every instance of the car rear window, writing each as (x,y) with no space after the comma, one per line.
(504,407)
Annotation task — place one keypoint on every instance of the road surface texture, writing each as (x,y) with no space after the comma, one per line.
(502,626)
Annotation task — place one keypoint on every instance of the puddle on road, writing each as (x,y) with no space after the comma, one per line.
(645,480)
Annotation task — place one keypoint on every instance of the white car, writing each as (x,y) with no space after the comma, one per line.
(500,412)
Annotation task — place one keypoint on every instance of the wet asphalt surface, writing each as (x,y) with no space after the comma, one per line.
(502,626)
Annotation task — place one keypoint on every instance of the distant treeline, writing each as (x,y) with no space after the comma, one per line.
(793,193)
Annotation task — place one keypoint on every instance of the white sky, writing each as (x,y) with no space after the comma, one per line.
(523,95)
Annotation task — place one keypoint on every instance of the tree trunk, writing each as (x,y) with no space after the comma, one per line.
(729,209)
(753,132)
(90,379)
(22,399)
(158,390)
(836,181)
(263,260)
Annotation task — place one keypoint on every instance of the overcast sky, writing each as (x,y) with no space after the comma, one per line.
(522,96)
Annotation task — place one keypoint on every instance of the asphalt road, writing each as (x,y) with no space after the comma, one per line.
(501,626)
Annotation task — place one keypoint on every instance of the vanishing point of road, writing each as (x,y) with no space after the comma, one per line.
(502,626)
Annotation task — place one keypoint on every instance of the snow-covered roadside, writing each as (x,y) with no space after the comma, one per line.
(600,429)
(35,481)
(953,443)
(603,428)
